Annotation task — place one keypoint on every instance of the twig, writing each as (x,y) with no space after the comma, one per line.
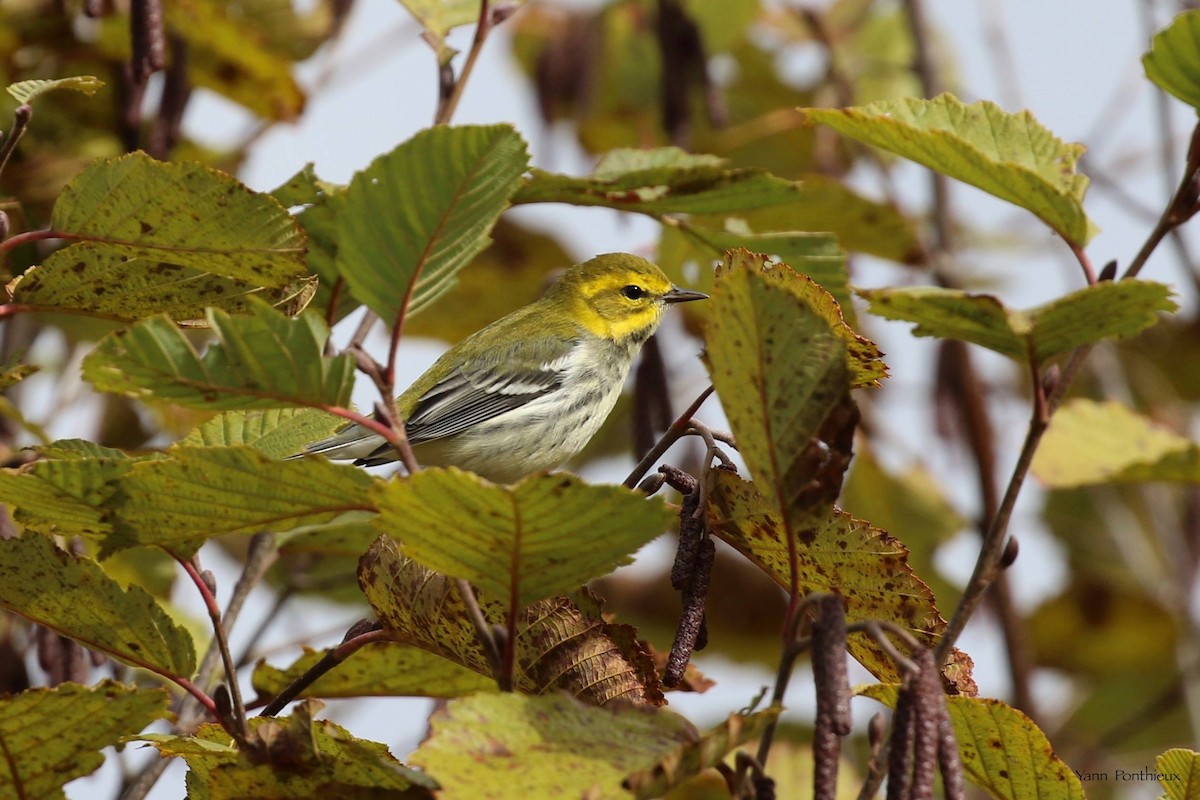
(491,649)
(673,434)
(21,118)
(259,557)
(449,102)
(206,585)
(356,638)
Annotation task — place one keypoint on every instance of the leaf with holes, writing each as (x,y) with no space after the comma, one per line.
(834,553)
(1011,156)
(72,596)
(544,536)
(50,737)
(265,360)
(419,214)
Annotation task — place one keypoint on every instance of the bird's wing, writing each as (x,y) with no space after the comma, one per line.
(479,391)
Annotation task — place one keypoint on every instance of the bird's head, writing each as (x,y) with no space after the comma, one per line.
(620,296)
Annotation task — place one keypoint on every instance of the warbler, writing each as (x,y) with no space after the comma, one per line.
(528,391)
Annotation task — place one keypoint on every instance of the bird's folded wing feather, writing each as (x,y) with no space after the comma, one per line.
(478,392)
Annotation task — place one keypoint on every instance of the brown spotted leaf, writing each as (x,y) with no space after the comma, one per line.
(52,736)
(562,644)
(835,553)
(158,238)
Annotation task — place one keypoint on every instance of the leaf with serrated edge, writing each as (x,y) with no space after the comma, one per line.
(1003,752)
(293,756)
(543,536)
(1090,442)
(561,645)
(27,91)
(661,181)
(1179,774)
(558,747)
(381,669)
(421,212)
(275,432)
(183,235)
(1011,156)
(265,360)
(50,737)
(1102,311)
(1173,63)
(689,759)
(72,596)
(782,360)
(171,502)
(835,553)
(64,491)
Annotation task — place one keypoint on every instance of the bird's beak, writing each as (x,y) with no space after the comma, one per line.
(677,295)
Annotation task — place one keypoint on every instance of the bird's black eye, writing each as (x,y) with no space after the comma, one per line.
(633,292)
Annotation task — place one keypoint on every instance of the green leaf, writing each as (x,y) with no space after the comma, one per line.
(27,91)
(543,536)
(1090,442)
(558,747)
(170,502)
(912,506)
(1173,63)
(1011,156)
(381,669)
(294,756)
(172,238)
(439,16)
(230,52)
(1102,311)
(561,645)
(417,215)
(661,181)
(835,553)
(13,373)
(261,361)
(275,432)
(1003,752)
(50,737)
(1179,774)
(318,218)
(709,750)
(64,492)
(73,597)
(783,363)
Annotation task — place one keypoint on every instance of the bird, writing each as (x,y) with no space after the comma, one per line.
(527,392)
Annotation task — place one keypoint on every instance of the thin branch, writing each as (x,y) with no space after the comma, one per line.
(450,103)
(334,656)
(21,118)
(222,641)
(483,631)
(673,434)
